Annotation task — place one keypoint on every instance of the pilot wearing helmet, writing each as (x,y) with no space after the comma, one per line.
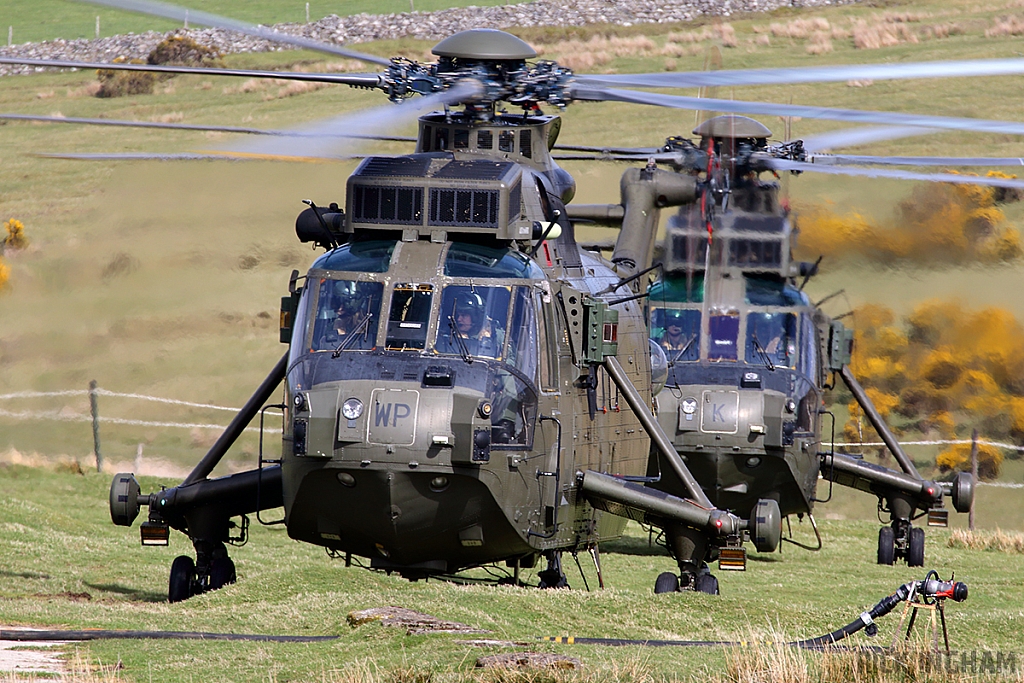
(476,330)
(673,339)
(351,307)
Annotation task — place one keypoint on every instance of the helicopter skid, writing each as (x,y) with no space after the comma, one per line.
(413,522)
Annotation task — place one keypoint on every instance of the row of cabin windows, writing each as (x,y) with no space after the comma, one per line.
(437,139)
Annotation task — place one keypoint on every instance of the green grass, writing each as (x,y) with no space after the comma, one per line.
(36,20)
(58,545)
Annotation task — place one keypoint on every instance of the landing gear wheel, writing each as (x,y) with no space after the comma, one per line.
(667,582)
(553,576)
(915,550)
(706,583)
(183,574)
(886,545)
(222,572)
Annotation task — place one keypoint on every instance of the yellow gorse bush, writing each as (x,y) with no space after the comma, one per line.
(941,370)
(15,238)
(939,223)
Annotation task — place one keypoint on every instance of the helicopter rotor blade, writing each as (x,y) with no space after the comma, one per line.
(183,14)
(868,160)
(820,74)
(361,80)
(196,127)
(311,143)
(786,165)
(184,156)
(769,108)
(863,135)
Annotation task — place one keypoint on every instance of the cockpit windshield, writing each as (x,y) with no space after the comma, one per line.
(346,308)
(677,331)
(474,320)
(771,339)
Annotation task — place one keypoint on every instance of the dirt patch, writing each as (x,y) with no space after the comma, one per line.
(414,622)
(22,657)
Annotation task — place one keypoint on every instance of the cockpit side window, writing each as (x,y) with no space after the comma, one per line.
(345,308)
(772,336)
(522,344)
(677,331)
(409,317)
(808,348)
(473,320)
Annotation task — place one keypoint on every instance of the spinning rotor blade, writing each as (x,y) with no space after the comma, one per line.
(818,74)
(309,141)
(851,137)
(785,165)
(853,115)
(867,160)
(358,80)
(167,11)
(199,127)
(180,156)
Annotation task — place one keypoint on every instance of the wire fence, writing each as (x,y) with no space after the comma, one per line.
(63,416)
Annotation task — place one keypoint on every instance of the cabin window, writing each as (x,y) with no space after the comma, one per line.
(526,143)
(724,332)
(461,138)
(485,139)
(440,139)
(473,320)
(771,339)
(513,410)
(506,141)
(522,343)
(755,253)
(371,256)
(347,314)
(409,317)
(547,340)
(677,331)
(478,260)
(809,348)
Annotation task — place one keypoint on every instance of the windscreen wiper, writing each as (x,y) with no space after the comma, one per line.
(463,349)
(764,354)
(679,354)
(362,328)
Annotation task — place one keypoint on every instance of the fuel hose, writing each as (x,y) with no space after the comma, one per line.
(930,589)
(28,635)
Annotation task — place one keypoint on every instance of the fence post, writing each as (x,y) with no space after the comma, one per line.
(95,425)
(974,475)
(97,27)
(138,459)
(307,12)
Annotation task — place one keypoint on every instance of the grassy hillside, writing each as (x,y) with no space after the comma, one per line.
(35,20)
(66,566)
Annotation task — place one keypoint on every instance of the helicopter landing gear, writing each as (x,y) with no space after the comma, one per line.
(553,576)
(213,569)
(900,540)
(667,582)
(700,580)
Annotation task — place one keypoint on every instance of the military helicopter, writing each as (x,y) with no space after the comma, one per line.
(465,384)
(750,356)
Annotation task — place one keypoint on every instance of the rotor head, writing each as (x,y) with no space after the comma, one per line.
(484,44)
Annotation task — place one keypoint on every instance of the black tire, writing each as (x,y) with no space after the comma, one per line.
(707,583)
(886,545)
(915,549)
(552,579)
(183,574)
(667,582)
(222,572)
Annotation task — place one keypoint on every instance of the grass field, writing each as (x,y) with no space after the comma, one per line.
(192,316)
(66,566)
